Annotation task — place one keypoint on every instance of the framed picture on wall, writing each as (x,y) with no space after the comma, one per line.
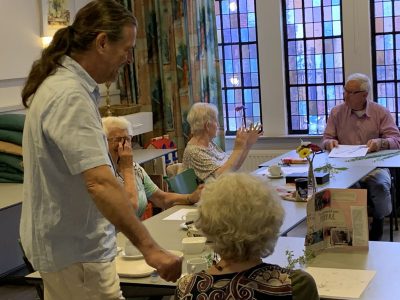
(56,14)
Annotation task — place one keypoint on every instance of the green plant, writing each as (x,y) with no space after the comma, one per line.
(307,256)
(328,168)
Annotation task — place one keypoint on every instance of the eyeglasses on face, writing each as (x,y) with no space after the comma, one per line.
(120,139)
(351,92)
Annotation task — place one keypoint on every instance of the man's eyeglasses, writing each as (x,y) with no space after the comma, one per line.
(352,92)
(120,139)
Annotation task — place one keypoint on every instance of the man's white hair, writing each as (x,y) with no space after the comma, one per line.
(365,82)
(116,122)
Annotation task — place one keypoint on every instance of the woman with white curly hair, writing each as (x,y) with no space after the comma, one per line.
(242,215)
(138,185)
(203,155)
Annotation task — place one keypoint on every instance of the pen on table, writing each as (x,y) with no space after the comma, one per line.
(189,223)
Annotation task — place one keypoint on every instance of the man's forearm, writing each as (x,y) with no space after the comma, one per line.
(112,201)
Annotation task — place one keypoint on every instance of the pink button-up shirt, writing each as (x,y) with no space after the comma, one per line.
(348,129)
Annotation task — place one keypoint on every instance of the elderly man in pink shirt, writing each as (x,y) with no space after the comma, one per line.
(358,121)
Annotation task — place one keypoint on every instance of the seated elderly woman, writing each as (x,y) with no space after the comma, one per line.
(138,184)
(203,155)
(242,216)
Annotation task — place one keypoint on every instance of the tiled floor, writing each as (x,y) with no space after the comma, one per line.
(25,292)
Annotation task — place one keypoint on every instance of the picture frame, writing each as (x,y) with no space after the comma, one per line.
(56,14)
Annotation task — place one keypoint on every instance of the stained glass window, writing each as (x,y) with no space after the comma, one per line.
(386,53)
(314,62)
(238,54)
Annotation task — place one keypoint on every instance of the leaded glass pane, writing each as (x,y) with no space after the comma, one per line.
(237,48)
(314,62)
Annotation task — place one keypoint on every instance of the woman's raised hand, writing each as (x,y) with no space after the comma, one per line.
(254,131)
(241,139)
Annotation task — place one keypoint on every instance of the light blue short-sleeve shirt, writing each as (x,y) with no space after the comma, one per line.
(63,137)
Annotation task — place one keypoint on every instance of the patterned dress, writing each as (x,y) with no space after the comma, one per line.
(264,281)
(203,160)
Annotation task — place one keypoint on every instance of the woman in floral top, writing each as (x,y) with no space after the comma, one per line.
(242,216)
(203,155)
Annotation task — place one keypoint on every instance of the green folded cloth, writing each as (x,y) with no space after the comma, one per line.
(12,177)
(12,161)
(14,137)
(13,122)
(8,169)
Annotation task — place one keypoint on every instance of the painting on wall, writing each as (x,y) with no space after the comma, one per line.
(56,14)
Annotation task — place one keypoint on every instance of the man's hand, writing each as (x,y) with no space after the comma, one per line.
(331,144)
(168,265)
(374,145)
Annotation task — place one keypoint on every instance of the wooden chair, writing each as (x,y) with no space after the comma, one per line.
(185,182)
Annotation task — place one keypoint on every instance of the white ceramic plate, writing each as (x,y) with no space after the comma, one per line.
(132,268)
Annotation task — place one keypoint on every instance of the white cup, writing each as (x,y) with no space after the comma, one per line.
(195,265)
(193,245)
(275,170)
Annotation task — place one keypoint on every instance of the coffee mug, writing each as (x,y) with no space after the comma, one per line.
(275,170)
(301,188)
(195,265)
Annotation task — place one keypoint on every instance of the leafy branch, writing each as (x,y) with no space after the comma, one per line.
(328,168)
(376,157)
(307,256)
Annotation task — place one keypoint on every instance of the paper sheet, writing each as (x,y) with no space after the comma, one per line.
(349,151)
(340,283)
(179,215)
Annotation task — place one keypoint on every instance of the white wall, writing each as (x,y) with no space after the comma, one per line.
(20,27)
(357,56)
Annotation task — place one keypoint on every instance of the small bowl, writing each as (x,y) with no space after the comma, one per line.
(193,245)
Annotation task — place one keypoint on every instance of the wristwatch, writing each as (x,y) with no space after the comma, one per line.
(384,144)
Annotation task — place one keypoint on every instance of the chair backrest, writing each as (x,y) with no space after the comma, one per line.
(183,183)
(174,169)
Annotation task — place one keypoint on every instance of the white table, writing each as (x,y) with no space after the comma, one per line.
(145,155)
(322,158)
(381,257)
(295,212)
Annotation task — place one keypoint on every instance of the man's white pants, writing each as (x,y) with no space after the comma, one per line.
(83,281)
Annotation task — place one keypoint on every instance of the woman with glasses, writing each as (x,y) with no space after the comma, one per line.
(137,183)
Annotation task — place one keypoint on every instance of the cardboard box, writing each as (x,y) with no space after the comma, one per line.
(321,177)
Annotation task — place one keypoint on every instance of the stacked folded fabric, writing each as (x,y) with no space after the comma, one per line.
(11,166)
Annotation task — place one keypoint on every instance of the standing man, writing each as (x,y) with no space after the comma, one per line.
(72,200)
(358,121)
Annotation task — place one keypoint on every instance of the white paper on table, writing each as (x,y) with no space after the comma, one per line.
(349,151)
(340,283)
(179,215)
(296,169)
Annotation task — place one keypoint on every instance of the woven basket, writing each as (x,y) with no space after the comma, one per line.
(120,109)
